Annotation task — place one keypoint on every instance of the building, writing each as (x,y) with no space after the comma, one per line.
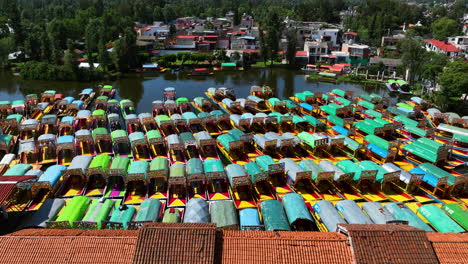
(317,50)
(350,37)
(185,42)
(205,244)
(243,43)
(358,54)
(158,30)
(441,47)
(389,64)
(391,41)
(329,34)
(460,42)
(302,57)
(247,21)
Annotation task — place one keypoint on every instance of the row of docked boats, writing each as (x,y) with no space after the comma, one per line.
(249,152)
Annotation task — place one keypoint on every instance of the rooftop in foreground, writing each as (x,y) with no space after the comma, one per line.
(203,243)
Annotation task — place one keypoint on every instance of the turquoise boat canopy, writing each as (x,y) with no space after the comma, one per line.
(274,217)
(148,211)
(296,209)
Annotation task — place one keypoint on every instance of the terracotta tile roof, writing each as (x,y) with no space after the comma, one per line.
(449,247)
(5,191)
(186,37)
(8,183)
(389,244)
(301,53)
(284,247)
(75,232)
(176,243)
(66,247)
(445,46)
(16,178)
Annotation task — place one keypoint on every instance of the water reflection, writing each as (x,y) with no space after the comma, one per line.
(144,88)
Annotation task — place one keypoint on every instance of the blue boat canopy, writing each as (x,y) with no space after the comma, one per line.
(67,119)
(52,174)
(65,139)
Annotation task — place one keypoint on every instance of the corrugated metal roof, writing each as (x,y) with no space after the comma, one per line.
(389,244)
(176,243)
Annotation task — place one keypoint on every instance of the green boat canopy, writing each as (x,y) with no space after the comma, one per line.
(148,211)
(378,141)
(99,112)
(458,212)
(177,170)
(120,163)
(16,117)
(153,134)
(416,130)
(439,220)
(18,170)
(194,166)
(98,212)
(74,210)
(437,172)
(254,171)
(339,92)
(406,120)
(274,217)
(224,214)
(213,165)
(366,104)
(122,215)
(99,131)
(296,209)
(118,134)
(171,215)
(101,161)
(228,64)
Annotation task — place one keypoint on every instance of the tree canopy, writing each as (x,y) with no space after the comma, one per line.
(454,79)
(444,27)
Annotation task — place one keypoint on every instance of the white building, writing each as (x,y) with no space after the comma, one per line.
(460,42)
(441,47)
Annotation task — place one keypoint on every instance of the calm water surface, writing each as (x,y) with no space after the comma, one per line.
(142,89)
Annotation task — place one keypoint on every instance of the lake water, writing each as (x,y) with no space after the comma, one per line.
(142,89)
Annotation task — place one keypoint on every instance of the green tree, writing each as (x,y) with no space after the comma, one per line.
(70,64)
(235,56)
(158,14)
(6,47)
(454,79)
(444,27)
(273,25)
(98,7)
(92,36)
(103,56)
(291,48)
(413,56)
(433,66)
(4,30)
(15,23)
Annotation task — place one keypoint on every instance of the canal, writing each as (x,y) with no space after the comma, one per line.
(142,89)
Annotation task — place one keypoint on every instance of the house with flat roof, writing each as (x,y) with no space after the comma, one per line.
(460,42)
(317,50)
(358,54)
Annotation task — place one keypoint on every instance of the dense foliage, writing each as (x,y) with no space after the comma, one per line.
(41,29)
